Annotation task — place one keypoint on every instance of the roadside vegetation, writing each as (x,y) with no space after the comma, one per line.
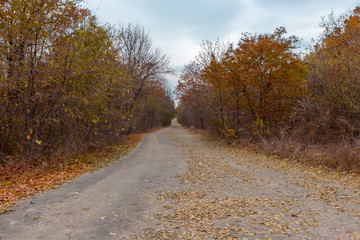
(71,86)
(16,185)
(263,93)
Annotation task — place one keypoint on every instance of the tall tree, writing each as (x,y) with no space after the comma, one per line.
(334,79)
(253,86)
(144,63)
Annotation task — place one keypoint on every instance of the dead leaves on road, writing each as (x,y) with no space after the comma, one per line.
(213,204)
(206,169)
(18,185)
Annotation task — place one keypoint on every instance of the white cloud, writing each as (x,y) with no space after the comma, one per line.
(301,18)
(180,50)
(179,26)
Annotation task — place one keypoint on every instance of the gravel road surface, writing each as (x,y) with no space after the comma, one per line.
(180,185)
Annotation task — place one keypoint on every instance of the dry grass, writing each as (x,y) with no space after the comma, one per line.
(341,156)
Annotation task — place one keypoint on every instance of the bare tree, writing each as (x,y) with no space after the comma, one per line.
(145,65)
(144,62)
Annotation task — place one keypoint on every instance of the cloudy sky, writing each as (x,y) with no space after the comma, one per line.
(178,27)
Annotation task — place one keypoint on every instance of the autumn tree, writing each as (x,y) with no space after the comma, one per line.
(267,77)
(68,84)
(331,112)
(29,32)
(191,93)
(249,88)
(263,90)
(156,110)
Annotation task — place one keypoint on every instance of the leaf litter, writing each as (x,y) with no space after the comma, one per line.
(15,186)
(232,193)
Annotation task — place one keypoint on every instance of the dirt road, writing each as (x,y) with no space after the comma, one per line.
(176,185)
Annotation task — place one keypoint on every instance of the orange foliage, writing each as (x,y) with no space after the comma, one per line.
(259,81)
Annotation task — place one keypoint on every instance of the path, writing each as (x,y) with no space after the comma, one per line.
(175,185)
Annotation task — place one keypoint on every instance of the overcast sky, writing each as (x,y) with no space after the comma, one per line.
(178,27)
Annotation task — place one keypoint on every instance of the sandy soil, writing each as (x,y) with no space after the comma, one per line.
(178,185)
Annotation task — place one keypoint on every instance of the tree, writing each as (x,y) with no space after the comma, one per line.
(68,84)
(267,75)
(334,80)
(144,63)
(29,32)
(191,94)
(254,86)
